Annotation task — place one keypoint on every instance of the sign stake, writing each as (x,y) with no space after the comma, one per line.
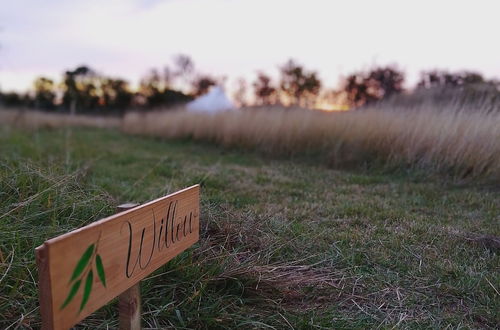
(129,307)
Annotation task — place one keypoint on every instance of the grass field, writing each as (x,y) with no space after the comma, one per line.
(458,142)
(285,244)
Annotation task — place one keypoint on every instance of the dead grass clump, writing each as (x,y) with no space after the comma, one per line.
(243,249)
(489,242)
(294,285)
(229,231)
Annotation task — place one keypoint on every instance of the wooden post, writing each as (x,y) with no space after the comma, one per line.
(129,302)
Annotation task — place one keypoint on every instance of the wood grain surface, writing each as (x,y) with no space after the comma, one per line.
(83,270)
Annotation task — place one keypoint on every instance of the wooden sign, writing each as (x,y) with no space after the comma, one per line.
(83,270)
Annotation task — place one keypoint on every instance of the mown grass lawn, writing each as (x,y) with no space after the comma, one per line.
(284,244)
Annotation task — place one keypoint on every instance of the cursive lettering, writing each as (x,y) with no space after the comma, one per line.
(169,233)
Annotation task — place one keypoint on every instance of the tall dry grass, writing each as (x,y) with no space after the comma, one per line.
(462,143)
(38,119)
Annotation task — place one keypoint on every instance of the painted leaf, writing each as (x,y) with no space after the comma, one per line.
(82,263)
(72,293)
(87,289)
(100,270)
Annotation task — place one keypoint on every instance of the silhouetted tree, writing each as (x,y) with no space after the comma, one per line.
(356,89)
(363,88)
(388,81)
(265,93)
(45,93)
(156,92)
(441,78)
(13,99)
(115,94)
(300,86)
(168,76)
(86,90)
(183,71)
(81,89)
(150,87)
(202,84)
(184,65)
(240,93)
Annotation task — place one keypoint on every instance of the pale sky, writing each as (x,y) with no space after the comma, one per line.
(235,38)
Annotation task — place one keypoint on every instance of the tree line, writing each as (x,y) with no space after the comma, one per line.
(84,90)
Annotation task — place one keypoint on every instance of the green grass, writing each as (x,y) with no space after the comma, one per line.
(283,243)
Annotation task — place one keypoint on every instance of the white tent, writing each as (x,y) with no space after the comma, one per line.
(212,102)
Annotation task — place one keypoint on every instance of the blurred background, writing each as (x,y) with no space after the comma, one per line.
(105,57)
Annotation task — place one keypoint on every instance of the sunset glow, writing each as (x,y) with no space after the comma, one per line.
(325,106)
(236,38)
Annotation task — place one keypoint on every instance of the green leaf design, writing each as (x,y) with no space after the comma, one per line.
(100,270)
(87,289)
(82,263)
(72,293)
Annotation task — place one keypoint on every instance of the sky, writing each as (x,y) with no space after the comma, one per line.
(236,38)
